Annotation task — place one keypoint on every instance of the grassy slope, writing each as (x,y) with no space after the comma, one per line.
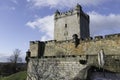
(18,76)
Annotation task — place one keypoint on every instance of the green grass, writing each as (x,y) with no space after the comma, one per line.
(17,76)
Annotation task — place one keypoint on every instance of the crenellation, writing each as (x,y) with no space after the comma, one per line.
(70,13)
(76,10)
(37,41)
(108,36)
(112,36)
(63,14)
(88,39)
(98,37)
(32,42)
(50,42)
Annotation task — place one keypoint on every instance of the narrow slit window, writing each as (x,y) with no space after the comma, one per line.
(65,25)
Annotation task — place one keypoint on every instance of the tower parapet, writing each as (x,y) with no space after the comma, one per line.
(76,10)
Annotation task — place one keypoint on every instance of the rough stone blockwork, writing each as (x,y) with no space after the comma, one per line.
(56,69)
(70,68)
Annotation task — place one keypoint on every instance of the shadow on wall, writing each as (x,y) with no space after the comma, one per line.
(95,73)
(41,49)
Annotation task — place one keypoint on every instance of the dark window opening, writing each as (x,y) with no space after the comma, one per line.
(65,25)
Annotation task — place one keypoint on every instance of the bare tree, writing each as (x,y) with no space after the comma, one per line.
(15,58)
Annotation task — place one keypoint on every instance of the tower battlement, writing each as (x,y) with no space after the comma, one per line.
(77,10)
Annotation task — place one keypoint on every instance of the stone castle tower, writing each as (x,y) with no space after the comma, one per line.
(71,22)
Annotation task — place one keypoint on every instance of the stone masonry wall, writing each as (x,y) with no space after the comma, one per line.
(67,67)
(56,69)
(110,44)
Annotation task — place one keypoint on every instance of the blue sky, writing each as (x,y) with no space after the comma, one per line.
(22,21)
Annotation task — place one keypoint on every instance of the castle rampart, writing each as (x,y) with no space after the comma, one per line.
(110,44)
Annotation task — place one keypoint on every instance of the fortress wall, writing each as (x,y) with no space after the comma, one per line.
(57,68)
(53,65)
(110,44)
(67,68)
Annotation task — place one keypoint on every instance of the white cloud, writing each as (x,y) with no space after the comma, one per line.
(45,25)
(63,3)
(104,24)
(99,25)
